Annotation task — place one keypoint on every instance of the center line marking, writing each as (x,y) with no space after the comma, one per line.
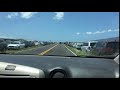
(44,52)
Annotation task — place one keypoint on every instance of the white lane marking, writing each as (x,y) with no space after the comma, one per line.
(71,51)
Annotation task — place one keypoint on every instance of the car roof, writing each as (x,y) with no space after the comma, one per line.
(91,42)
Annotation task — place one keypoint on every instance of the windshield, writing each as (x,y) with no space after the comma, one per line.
(60,33)
(92,44)
(15,43)
(85,44)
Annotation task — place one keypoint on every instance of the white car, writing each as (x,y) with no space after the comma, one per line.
(88,45)
(15,45)
(36,43)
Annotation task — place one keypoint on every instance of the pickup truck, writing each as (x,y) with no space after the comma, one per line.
(16,45)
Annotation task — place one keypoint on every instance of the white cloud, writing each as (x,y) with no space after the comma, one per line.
(103,31)
(109,30)
(59,16)
(113,30)
(100,32)
(89,33)
(12,15)
(27,15)
(78,33)
(116,30)
(24,15)
(97,32)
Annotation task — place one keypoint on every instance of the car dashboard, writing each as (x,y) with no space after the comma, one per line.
(33,66)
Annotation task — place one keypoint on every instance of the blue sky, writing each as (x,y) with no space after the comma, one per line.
(59,26)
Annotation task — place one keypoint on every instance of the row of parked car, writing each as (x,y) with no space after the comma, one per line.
(16,44)
(98,47)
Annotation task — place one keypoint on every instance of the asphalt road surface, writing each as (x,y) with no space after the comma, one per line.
(49,50)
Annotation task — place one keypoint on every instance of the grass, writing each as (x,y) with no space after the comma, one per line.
(13,51)
(79,52)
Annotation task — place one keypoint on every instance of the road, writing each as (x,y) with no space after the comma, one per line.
(51,50)
(75,64)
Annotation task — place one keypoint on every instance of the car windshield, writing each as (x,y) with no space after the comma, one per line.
(60,33)
(92,44)
(85,44)
(100,44)
(15,43)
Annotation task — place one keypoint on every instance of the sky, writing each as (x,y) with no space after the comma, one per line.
(59,26)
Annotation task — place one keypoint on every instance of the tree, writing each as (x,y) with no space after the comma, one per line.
(3,47)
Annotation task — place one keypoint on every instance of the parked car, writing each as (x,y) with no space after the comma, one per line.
(79,45)
(36,43)
(29,44)
(87,46)
(41,43)
(46,43)
(106,48)
(3,46)
(16,45)
(73,45)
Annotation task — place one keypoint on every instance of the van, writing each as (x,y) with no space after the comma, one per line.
(87,46)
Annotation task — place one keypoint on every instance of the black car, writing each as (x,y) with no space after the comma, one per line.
(106,48)
(29,44)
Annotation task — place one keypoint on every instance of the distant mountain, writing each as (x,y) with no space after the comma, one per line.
(109,39)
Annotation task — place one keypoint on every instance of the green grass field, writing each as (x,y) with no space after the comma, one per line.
(79,52)
(13,51)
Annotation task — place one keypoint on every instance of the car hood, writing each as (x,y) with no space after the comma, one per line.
(13,44)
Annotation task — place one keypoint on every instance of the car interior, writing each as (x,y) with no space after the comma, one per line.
(59,44)
(57,67)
